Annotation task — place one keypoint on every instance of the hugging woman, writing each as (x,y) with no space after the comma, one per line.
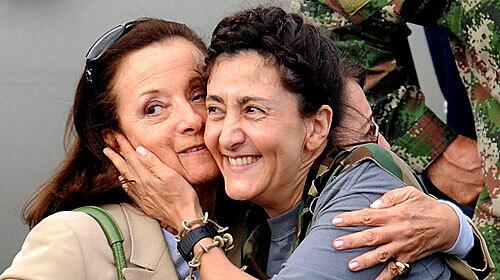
(275,104)
(145,98)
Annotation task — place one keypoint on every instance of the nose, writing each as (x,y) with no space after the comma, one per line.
(231,135)
(190,121)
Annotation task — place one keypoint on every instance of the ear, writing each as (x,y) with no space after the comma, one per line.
(109,138)
(321,123)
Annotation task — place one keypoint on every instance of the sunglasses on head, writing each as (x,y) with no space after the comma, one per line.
(102,45)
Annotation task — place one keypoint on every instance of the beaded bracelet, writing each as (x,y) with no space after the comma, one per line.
(221,239)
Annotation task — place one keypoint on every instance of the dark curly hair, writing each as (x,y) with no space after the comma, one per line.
(309,64)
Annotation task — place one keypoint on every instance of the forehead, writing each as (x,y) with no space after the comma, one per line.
(246,71)
(168,61)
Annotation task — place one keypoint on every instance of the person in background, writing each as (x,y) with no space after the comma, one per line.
(374,34)
(130,72)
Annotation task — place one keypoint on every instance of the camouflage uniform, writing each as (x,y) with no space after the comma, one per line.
(374,34)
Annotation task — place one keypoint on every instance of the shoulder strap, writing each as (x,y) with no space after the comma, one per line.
(112,232)
(386,160)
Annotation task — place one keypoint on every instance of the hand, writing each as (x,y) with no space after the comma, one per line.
(408,223)
(157,189)
(457,172)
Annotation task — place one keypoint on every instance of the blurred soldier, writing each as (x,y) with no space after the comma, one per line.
(374,34)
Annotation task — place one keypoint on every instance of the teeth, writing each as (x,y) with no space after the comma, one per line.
(242,160)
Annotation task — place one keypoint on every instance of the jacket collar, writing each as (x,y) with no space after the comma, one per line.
(145,252)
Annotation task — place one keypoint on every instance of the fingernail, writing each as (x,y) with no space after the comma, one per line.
(141,150)
(338,243)
(336,221)
(120,178)
(376,204)
(353,265)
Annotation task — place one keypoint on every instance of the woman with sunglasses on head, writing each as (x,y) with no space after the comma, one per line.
(275,103)
(142,79)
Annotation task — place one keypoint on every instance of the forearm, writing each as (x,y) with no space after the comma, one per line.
(216,266)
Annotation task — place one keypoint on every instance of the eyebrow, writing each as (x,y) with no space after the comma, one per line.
(148,92)
(246,99)
(196,80)
(241,102)
(215,98)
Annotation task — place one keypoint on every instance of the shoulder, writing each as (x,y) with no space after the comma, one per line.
(363,178)
(64,245)
(51,245)
(354,189)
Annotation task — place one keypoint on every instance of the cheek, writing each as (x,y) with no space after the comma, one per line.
(201,109)
(211,137)
(155,138)
(287,143)
(160,141)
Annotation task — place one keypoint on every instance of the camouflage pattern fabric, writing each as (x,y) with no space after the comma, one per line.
(374,34)
(256,246)
(379,44)
(475,43)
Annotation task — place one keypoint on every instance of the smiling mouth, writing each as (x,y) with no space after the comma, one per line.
(240,161)
(193,149)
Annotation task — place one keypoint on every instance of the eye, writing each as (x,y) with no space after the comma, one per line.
(199,95)
(253,110)
(153,110)
(214,110)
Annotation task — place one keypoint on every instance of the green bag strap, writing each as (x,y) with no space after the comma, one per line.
(112,232)
(386,160)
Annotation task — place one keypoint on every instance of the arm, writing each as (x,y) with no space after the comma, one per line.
(387,214)
(51,251)
(391,85)
(163,194)
(414,132)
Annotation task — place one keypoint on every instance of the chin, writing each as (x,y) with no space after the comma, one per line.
(241,193)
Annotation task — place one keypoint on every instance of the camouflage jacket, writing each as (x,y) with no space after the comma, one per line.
(374,34)
(325,170)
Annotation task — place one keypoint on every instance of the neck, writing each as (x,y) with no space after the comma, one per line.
(206,195)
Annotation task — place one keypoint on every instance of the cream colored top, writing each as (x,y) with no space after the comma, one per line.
(72,245)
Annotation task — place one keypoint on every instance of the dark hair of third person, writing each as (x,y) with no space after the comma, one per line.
(86,176)
(309,64)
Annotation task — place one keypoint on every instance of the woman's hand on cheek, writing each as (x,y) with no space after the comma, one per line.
(407,226)
(157,189)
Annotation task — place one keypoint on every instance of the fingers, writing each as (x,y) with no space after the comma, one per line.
(129,153)
(378,255)
(368,237)
(394,197)
(120,163)
(363,217)
(144,161)
(389,272)
(154,164)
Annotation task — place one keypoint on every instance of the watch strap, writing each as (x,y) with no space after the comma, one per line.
(187,243)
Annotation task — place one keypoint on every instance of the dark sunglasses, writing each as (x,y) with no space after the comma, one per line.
(102,45)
